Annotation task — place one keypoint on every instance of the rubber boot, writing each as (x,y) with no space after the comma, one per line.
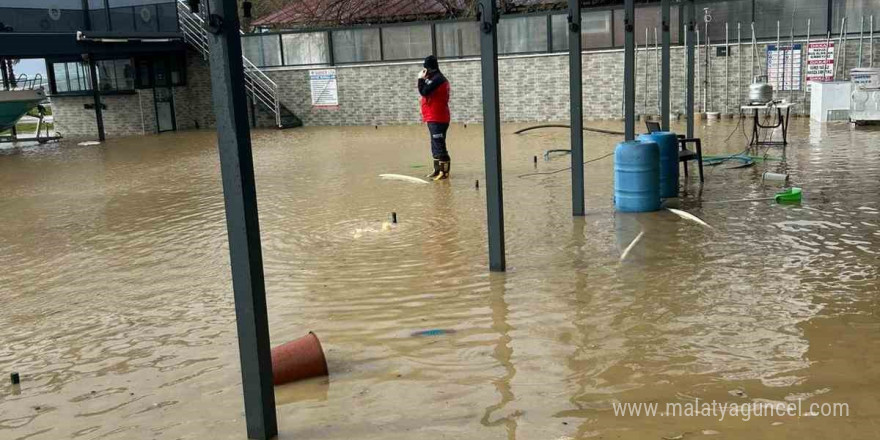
(436,170)
(444,171)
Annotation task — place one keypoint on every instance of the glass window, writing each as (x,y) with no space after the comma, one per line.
(458,39)
(262,50)
(853,10)
(595,30)
(559,30)
(71,77)
(356,45)
(61,83)
(792,15)
(305,48)
(167,15)
(106,75)
(406,42)
(522,34)
(649,18)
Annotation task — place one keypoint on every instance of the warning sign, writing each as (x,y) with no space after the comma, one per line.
(820,61)
(323,85)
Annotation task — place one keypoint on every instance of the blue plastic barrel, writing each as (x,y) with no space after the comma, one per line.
(668,143)
(637,176)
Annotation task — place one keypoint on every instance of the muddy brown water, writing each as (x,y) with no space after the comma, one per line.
(117,307)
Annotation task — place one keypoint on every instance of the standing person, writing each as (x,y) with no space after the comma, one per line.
(434,91)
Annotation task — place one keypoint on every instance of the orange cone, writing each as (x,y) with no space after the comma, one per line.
(298,359)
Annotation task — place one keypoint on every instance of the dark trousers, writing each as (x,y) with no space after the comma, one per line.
(438,140)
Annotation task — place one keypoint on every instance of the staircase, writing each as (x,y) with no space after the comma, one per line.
(262,90)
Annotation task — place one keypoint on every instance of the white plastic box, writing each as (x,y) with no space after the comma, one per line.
(865,105)
(830,99)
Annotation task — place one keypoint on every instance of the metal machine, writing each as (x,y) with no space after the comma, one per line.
(865,98)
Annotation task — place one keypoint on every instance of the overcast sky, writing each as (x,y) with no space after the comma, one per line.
(30,67)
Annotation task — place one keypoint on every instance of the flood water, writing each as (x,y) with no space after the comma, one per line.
(117,308)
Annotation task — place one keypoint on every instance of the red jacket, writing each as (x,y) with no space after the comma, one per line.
(435,98)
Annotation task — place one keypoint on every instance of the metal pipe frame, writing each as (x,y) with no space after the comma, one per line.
(629,67)
(242,222)
(689,63)
(575,68)
(664,66)
(861,39)
(488,14)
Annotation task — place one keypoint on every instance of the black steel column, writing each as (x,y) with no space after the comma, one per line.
(4,73)
(237,169)
(664,68)
(629,70)
(96,94)
(492,133)
(577,107)
(87,19)
(689,63)
(107,15)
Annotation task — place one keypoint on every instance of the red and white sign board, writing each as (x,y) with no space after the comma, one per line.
(820,61)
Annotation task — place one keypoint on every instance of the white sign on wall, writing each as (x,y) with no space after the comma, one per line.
(323,85)
(784,67)
(820,61)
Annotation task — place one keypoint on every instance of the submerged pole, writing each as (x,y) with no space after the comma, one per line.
(577,108)
(629,65)
(664,66)
(689,63)
(96,96)
(492,133)
(242,222)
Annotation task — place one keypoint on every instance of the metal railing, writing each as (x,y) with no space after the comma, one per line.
(260,87)
(22,82)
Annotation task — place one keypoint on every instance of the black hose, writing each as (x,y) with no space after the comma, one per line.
(594,130)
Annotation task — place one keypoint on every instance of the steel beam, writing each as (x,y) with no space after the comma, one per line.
(689,63)
(577,107)
(242,224)
(629,65)
(492,132)
(96,95)
(664,68)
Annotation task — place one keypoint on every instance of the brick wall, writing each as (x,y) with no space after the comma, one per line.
(532,88)
(535,88)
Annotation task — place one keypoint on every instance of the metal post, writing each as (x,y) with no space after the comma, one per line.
(577,111)
(726,69)
(96,95)
(629,67)
(690,64)
(791,58)
(871,33)
(645,108)
(657,69)
(841,50)
(779,80)
(491,132)
(754,50)
(699,56)
(664,66)
(861,39)
(739,63)
(804,67)
(242,223)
